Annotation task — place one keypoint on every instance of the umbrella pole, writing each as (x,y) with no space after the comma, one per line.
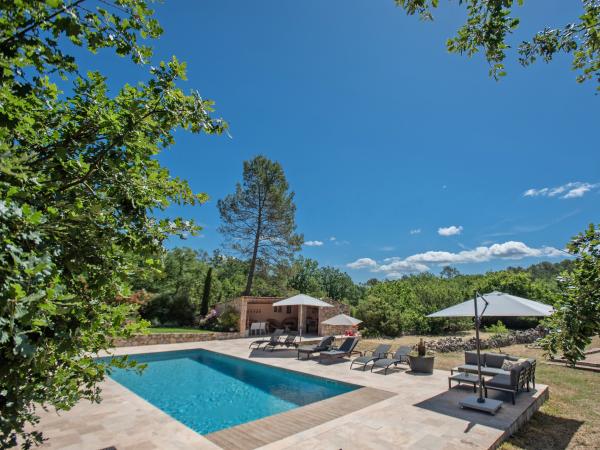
(300,322)
(480,398)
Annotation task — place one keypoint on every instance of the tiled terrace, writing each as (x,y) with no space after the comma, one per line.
(399,410)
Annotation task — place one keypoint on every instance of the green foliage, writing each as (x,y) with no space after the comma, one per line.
(398,307)
(577,315)
(497,329)
(259,218)
(169,310)
(79,179)
(229,319)
(491,22)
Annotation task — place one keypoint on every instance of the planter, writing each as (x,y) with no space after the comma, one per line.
(421,364)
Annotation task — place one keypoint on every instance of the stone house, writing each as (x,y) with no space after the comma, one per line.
(261,309)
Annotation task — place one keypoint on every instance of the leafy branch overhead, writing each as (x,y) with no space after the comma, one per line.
(490,23)
(79,182)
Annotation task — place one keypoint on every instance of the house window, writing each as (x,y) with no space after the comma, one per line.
(288,309)
(277,308)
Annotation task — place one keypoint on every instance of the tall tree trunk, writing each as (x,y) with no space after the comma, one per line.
(254,255)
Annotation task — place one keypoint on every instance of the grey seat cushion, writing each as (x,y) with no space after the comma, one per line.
(494,360)
(484,370)
(501,381)
(471,358)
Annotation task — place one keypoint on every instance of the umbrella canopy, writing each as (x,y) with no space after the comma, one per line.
(302,300)
(494,304)
(499,305)
(342,319)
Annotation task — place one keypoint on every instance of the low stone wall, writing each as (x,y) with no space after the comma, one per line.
(173,338)
(456,344)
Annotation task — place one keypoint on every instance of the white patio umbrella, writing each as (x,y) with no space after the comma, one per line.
(494,304)
(300,301)
(499,304)
(342,320)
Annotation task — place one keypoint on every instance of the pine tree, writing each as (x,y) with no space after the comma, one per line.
(259,218)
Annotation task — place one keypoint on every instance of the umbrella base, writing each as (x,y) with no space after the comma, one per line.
(489,405)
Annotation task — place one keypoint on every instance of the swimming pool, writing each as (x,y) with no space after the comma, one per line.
(209,391)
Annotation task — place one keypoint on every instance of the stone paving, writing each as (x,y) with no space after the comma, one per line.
(423,414)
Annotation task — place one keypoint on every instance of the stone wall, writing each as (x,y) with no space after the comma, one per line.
(328,313)
(173,338)
(455,344)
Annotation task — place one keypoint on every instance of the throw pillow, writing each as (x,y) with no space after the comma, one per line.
(507,365)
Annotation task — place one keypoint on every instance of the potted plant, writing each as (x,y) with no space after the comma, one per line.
(421,361)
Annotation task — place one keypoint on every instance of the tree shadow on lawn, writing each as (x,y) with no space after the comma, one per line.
(546,432)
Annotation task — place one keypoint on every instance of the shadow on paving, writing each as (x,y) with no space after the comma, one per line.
(277,353)
(446,403)
(544,432)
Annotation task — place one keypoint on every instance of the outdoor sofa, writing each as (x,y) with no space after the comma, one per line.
(517,380)
(346,349)
(491,363)
(509,379)
(322,346)
(369,357)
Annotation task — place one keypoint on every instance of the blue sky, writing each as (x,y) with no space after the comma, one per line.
(387,140)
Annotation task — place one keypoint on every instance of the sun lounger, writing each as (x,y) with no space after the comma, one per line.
(401,356)
(343,350)
(272,340)
(366,359)
(322,346)
(288,342)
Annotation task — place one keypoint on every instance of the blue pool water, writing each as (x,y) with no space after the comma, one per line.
(210,391)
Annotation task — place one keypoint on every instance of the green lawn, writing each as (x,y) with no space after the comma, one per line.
(570,419)
(154,330)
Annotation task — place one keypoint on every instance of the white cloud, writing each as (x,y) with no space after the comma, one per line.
(507,250)
(362,263)
(570,190)
(402,266)
(450,231)
(415,231)
(396,267)
(387,248)
(313,243)
(332,238)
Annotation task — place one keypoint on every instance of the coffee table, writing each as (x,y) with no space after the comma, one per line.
(464,377)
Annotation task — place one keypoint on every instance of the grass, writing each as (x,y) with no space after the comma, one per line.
(155,330)
(570,419)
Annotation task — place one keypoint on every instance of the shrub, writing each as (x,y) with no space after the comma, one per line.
(167,309)
(497,329)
